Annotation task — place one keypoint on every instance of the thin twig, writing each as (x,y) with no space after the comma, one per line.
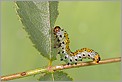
(54,68)
(89,63)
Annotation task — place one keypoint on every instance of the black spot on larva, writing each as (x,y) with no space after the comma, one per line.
(76,60)
(62,42)
(71,60)
(62,29)
(75,63)
(65,57)
(93,59)
(88,55)
(97,61)
(58,52)
(61,36)
(61,59)
(59,45)
(62,48)
(58,40)
(79,56)
(62,51)
(68,63)
(99,58)
(83,54)
(81,60)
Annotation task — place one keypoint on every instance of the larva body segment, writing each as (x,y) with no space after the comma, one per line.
(65,52)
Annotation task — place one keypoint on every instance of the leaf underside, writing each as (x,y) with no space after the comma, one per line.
(55,76)
(38,19)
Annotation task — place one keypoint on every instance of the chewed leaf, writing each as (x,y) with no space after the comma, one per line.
(56,76)
(38,19)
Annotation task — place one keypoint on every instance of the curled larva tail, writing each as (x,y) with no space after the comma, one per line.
(62,41)
(97,58)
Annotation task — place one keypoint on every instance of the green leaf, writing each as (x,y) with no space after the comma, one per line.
(56,76)
(38,18)
(53,12)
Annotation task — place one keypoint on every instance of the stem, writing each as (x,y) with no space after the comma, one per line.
(58,67)
(50,63)
(89,63)
(22,74)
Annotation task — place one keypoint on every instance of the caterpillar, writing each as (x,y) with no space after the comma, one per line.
(66,55)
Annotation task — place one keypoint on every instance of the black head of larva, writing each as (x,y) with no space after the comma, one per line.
(56,29)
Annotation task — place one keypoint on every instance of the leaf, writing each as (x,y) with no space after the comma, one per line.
(56,76)
(53,12)
(38,18)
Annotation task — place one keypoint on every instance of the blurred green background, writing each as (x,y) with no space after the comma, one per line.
(94,25)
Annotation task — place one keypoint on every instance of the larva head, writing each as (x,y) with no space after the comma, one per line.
(97,58)
(56,29)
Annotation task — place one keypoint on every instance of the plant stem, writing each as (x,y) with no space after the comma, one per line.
(58,67)
(89,63)
(23,74)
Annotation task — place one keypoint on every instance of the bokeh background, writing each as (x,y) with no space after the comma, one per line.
(91,24)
